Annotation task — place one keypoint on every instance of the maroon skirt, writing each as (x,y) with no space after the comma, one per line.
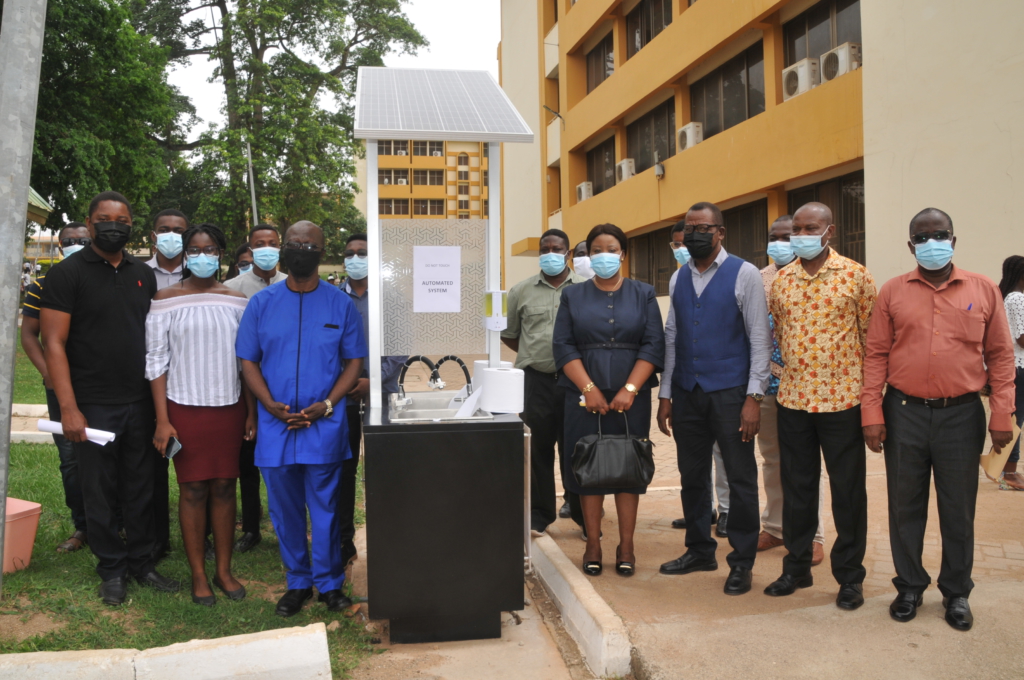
(211,438)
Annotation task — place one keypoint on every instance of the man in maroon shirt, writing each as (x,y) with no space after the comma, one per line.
(937,336)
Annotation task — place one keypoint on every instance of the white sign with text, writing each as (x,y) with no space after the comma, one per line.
(437,279)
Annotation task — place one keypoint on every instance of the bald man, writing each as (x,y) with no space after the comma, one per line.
(302,346)
(821,305)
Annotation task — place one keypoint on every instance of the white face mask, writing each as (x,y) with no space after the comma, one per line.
(581,265)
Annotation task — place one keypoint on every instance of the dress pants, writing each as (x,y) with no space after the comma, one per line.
(1019,385)
(721,481)
(921,441)
(161,501)
(768,444)
(68,467)
(249,488)
(804,438)
(699,419)
(347,487)
(544,414)
(291,490)
(119,475)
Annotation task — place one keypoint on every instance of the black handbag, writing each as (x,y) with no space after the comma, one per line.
(613,461)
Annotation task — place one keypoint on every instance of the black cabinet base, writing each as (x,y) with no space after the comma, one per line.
(446,628)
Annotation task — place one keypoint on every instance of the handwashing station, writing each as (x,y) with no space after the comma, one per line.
(447,472)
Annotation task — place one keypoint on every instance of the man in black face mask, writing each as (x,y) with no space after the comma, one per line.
(93,322)
(302,348)
(718,347)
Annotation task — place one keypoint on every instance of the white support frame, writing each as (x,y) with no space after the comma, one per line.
(494,242)
(375,285)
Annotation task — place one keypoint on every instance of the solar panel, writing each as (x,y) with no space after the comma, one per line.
(467,106)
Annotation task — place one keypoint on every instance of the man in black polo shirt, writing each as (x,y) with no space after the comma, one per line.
(94,330)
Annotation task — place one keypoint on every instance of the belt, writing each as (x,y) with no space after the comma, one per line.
(942,402)
(531,369)
(611,345)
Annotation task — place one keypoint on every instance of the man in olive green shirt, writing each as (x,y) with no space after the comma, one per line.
(532,306)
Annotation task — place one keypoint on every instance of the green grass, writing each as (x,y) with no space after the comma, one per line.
(63,587)
(28,385)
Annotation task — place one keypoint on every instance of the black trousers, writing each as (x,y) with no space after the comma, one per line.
(161,501)
(68,467)
(544,414)
(920,441)
(804,438)
(699,419)
(349,468)
(120,474)
(249,488)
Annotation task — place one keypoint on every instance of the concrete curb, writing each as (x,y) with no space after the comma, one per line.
(282,654)
(29,410)
(34,437)
(599,631)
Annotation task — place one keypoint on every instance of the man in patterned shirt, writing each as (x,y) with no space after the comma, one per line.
(821,306)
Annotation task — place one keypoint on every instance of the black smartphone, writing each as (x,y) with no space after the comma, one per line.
(173,446)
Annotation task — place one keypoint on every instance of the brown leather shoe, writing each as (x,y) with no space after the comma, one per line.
(818,556)
(74,543)
(766,541)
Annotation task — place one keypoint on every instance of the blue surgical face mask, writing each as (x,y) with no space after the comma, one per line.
(357,267)
(244,269)
(581,265)
(203,266)
(606,265)
(552,264)
(807,247)
(781,252)
(266,258)
(682,255)
(934,255)
(71,250)
(169,244)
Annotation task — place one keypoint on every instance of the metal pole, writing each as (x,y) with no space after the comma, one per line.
(375,284)
(21,56)
(494,242)
(252,186)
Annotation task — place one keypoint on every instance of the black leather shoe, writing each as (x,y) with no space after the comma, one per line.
(738,581)
(234,595)
(688,563)
(904,607)
(247,542)
(564,512)
(787,585)
(348,553)
(850,597)
(204,600)
(681,522)
(335,600)
(722,530)
(958,613)
(291,602)
(158,582)
(114,591)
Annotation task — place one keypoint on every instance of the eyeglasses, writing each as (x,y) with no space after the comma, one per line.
(68,242)
(311,247)
(676,245)
(700,228)
(205,250)
(356,253)
(926,236)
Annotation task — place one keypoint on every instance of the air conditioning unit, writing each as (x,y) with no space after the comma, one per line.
(689,135)
(437,154)
(403,153)
(584,191)
(799,78)
(841,60)
(624,169)
(403,182)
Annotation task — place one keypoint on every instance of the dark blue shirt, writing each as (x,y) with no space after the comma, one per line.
(301,341)
(590,319)
(390,367)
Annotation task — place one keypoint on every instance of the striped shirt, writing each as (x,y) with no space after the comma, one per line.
(33,298)
(191,338)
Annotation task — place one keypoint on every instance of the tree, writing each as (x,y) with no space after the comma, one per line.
(288,69)
(103,102)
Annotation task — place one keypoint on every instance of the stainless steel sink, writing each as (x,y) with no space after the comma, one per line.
(419,407)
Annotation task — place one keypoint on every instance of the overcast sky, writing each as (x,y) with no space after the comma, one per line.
(463,34)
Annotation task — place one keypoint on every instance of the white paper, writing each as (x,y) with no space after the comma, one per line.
(461,394)
(437,279)
(468,407)
(101,437)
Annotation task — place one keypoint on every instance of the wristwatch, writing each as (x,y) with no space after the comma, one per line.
(330,408)
(631,388)
(756,397)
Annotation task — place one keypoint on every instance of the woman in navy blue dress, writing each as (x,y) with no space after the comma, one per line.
(608,344)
